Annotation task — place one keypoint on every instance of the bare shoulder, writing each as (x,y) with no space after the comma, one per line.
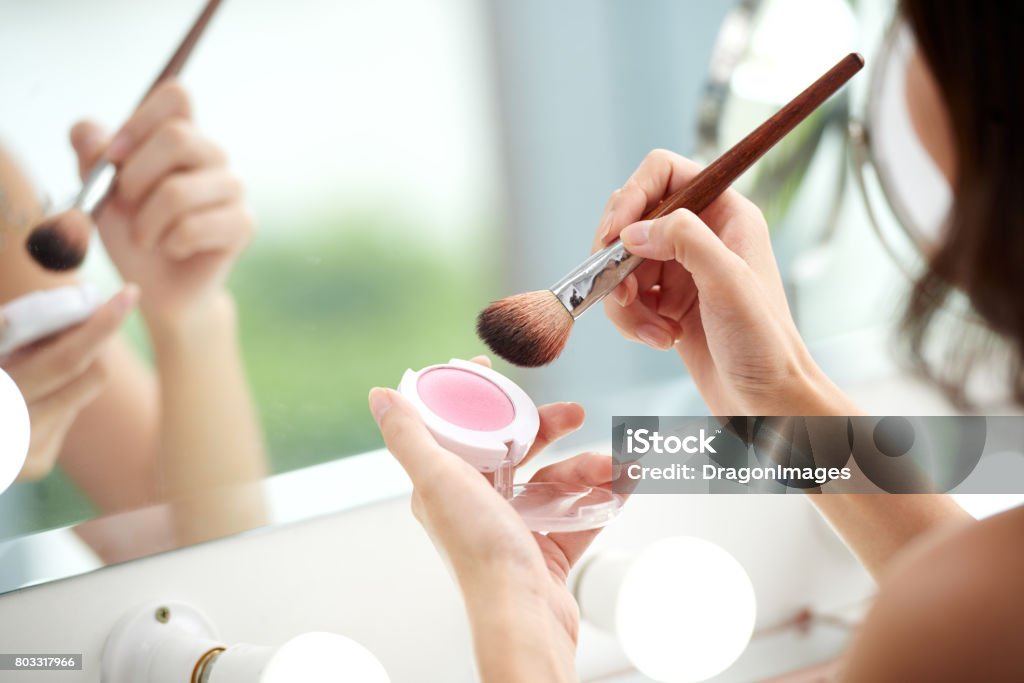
(950,609)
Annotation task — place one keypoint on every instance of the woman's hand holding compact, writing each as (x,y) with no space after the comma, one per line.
(176,220)
(513,579)
(61,375)
(710,288)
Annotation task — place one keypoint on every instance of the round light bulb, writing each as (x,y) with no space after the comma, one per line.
(685,610)
(15,431)
(323,658)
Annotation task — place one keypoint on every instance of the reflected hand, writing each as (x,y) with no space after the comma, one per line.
(61,375)
(513,580)
(176,220)
(710,288)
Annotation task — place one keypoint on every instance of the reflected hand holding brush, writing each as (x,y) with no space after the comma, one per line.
(532,329)
(60,241)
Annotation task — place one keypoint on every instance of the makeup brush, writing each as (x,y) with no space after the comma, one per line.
(60,241)
(531,329)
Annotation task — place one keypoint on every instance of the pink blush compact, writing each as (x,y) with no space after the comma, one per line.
(474,411)
(486,419)
(465,399)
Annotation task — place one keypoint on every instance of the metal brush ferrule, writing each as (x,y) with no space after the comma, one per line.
(593,279)
(96,187)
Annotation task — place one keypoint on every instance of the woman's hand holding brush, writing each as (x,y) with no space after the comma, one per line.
(711,290)
(175,221)
(532,329)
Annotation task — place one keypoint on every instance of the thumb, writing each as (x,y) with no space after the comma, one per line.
(682,236)
(89,140)
(404,433)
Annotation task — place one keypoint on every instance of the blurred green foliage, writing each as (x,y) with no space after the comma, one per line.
(332,312)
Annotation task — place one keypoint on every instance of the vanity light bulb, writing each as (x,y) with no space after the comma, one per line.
(685,610)
(15,431)
(323,658)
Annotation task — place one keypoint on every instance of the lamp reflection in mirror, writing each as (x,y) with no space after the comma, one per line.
(15,431)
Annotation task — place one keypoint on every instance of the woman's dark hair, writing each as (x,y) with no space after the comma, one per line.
(976,53)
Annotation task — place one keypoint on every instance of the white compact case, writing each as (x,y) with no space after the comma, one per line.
(485,449)
(37,315)
(485,418)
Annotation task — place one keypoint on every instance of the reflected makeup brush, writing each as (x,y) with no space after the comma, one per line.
(61,240)
(531,329)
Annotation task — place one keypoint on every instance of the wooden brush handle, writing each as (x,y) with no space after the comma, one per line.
(177,61)
(596,277)
(720,174)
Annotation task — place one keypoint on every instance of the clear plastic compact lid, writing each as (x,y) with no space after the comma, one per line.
(491,423)
(550,506)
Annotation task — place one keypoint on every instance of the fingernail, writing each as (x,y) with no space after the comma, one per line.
(380,402)
(127,298)
(119,146)
(652,335)
(92,138)
(619,294)
(606,226)
(636,234)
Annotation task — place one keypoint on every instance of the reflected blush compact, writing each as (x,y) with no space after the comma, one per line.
(490,422)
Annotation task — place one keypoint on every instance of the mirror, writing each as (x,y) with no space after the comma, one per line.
(906,195)
(804,186)
(373,177)
(756,68)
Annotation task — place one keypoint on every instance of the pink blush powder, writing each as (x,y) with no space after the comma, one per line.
(465,399)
